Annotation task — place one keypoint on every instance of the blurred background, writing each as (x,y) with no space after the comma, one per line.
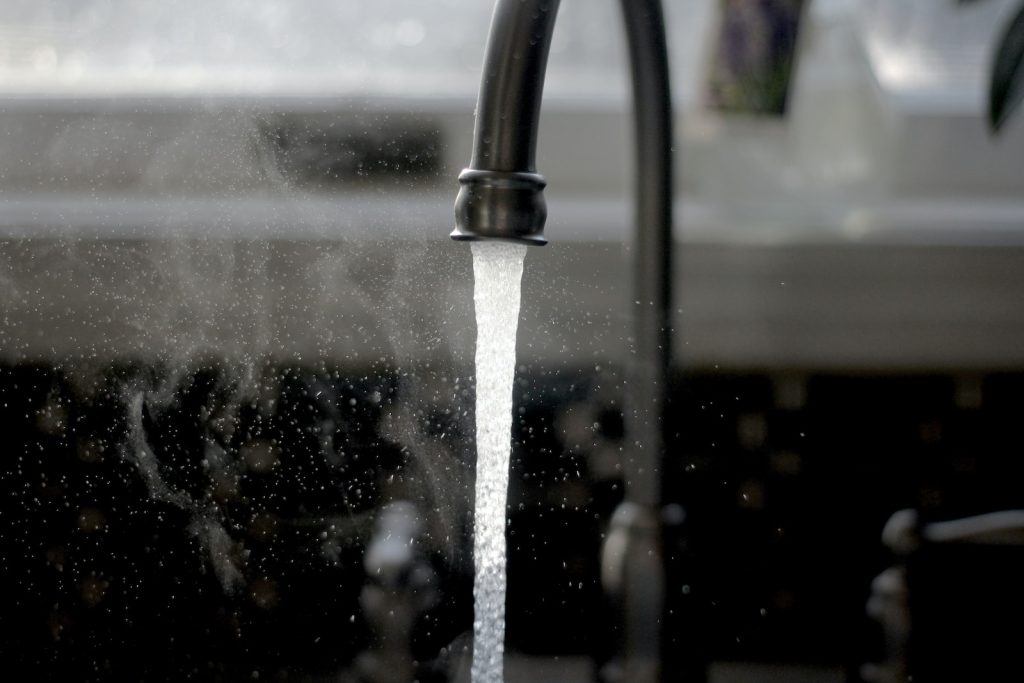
(236,343)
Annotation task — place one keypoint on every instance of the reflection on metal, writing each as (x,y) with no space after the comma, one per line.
(948,608)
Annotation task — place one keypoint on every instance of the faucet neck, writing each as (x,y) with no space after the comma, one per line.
(508,108)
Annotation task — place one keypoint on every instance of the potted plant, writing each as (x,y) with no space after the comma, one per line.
(1006,80)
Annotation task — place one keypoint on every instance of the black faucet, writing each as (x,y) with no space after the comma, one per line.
(502,198)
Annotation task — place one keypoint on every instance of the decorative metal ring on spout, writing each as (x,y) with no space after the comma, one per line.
(500,205)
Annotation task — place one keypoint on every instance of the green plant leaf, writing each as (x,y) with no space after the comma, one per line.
(1006,90)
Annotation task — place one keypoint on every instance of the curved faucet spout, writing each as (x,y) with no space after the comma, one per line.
(501,197)
(502,192)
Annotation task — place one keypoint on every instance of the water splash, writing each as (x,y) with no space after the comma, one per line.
(207,524)
(498,270)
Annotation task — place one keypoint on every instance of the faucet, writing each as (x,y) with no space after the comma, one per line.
(501,198)
(401,586)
